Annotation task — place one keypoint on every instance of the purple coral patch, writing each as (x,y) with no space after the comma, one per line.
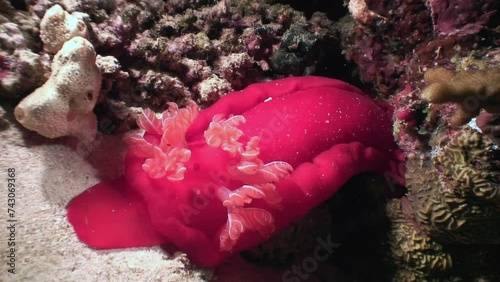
(460,17)
(4,66)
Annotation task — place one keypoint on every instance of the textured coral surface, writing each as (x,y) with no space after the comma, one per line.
(452,199)
(63,105)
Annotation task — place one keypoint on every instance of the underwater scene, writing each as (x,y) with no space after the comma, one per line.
(238,141)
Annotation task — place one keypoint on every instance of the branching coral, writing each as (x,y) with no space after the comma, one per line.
(470,90)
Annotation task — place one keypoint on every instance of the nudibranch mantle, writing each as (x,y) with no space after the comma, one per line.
(221,180)
(168,157)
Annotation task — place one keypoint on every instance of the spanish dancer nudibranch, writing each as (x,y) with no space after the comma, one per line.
(222,180)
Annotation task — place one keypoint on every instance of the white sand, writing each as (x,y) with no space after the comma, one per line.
(48,175)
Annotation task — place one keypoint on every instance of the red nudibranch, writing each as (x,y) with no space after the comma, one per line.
(222,180)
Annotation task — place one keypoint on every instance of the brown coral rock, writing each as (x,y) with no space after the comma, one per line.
(470,90)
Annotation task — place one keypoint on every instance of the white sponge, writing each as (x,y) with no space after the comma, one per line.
(63,105)
(58,26)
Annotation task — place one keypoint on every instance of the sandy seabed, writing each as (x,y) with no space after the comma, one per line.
(48,174)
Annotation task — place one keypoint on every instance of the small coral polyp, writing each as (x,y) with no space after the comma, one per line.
(167,160)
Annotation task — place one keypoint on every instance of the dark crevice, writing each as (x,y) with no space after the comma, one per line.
(19,4)
(333,9)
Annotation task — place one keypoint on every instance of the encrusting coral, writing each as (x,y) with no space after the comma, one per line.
(473,14)
(58,26)
(470,90)
(63,105)
(440,30)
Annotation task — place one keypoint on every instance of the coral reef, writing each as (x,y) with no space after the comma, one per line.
(473,15)
(22,69)
(176,51)
(300,49)
(360,12)
(443,224)
(452,177)
(19,28)
(372,37)
(63,105)
(459,191)
(415,254)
